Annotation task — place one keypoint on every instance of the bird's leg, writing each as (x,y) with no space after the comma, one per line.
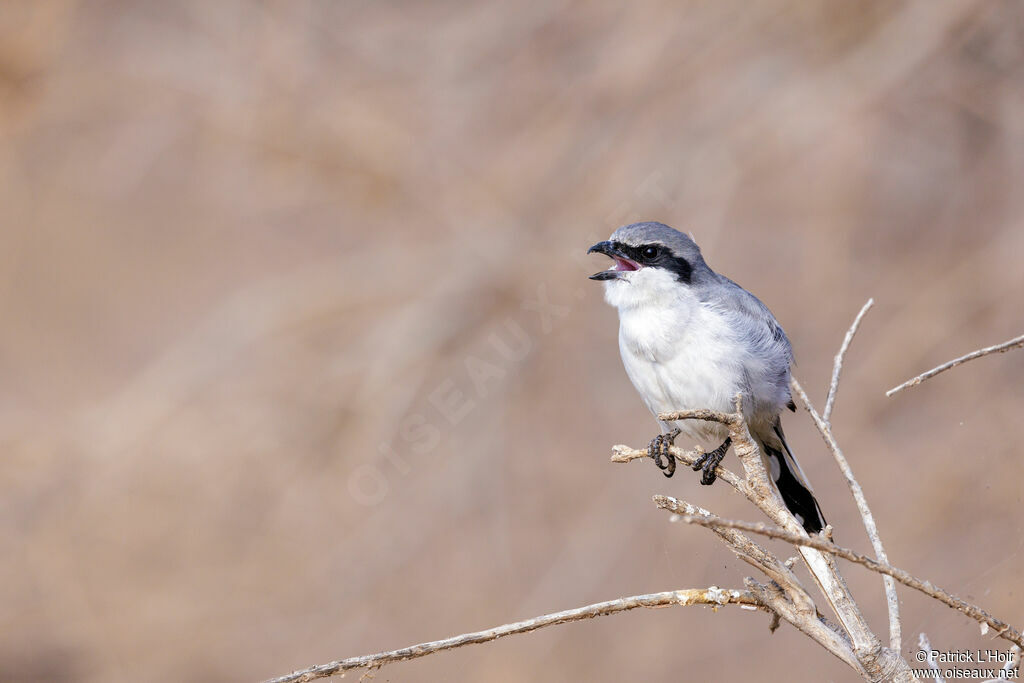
(709,461)
(659,448)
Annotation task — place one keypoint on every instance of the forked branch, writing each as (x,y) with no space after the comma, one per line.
(872,660)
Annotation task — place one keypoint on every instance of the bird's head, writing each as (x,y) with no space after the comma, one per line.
(650,261)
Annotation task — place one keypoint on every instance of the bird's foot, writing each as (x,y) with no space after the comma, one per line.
(658,450)
(709,461)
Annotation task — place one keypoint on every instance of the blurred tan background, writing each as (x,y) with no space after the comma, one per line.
(299,360)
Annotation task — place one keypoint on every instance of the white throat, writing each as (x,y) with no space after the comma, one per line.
(656,312)
(647,288)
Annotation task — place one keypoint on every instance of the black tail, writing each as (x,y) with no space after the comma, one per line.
(793,486)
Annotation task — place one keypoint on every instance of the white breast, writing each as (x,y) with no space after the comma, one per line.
(679,357)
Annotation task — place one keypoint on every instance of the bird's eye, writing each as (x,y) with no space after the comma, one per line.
(650,252)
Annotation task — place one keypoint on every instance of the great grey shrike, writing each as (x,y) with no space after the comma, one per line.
(691,338)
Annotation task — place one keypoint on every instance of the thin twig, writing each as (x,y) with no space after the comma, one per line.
(1012,664)
(694,596)
(756,485)
(837,366)
(1002,629)
(1014,343)
(727,419)
(924,646)
(623,453)
(891,598)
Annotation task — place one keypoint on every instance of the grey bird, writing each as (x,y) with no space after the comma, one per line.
(691,338)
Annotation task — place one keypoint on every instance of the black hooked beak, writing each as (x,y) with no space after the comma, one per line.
(622,263)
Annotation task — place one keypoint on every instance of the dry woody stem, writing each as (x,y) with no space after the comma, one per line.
(1002,629)
(1015,343)
(713,596)
(891,599)
(837,367)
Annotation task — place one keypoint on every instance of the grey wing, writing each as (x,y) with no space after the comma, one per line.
(768,352)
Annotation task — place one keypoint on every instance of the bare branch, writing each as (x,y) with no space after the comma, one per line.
(759,557)
(757,486)
(799,607)
(924,646)
(622,453)
(1014,343)
(786,597)
(778,600)
(713,596)
(1003,630)
(727,419)
(837,366)
(758,489)
(891,598)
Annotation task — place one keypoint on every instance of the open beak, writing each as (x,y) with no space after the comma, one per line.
(621,264)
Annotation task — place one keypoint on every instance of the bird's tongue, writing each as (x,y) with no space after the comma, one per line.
(624,264)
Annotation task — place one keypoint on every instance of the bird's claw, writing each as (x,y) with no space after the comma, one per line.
(659,449)
(709,461)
